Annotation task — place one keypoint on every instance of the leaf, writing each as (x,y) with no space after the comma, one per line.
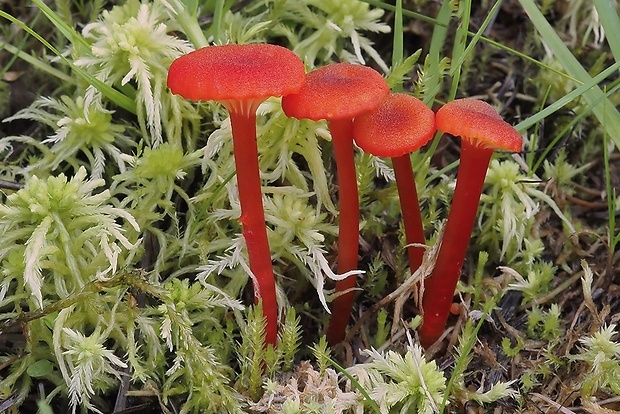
(40,369)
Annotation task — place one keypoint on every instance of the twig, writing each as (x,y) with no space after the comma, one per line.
(8,402)
(11,185)
(407,285)
(90,288)
(559,407)
(403,292)
(593,205)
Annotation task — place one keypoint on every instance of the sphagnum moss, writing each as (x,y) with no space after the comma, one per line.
(166,163)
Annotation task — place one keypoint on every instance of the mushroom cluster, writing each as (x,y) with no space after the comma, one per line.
(358,106)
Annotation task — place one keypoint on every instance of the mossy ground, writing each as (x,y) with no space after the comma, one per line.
(534,343)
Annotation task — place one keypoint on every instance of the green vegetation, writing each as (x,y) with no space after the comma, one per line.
(124,277)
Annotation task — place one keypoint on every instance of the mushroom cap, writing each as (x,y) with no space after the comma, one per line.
(236,72)
(398,125)
(478,122)
(336,91)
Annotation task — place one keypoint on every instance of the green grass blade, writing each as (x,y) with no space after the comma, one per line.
(611,197)
(611,24)
(603,109)
(115,96)
(438,40)
(373,404)
(433,85)
(458,49)
(560,103)
(476,37)
(66,30)
(570,126)
(218,15)
(466,347)
(406,12)
(444,24)
(37,63)
(397,46)
(535,135)
(186,18)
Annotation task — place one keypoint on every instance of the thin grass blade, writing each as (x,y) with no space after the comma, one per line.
(606,113)
(610,21)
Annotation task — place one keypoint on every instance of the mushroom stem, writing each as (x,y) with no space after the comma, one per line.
(243,122)
(348,227)
(439,287)
(412,219)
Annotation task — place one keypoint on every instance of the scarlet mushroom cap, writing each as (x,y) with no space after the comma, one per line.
(479,122)
(336,91)
(400,124)
(236,73)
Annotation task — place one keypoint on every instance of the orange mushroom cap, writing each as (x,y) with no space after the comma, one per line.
(479,122)
(236,72)
(398,125)
(336,91)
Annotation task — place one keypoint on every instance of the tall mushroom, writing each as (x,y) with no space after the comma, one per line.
(338,93)
(482,130)
(240,77)
(400,125)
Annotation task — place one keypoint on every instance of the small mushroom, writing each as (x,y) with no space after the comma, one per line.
(400,125)
(338,93)
(240,77)
(482,131)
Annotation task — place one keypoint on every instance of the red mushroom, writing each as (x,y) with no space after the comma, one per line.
(241,77)
(482,130)
(401,124)
(338,93)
